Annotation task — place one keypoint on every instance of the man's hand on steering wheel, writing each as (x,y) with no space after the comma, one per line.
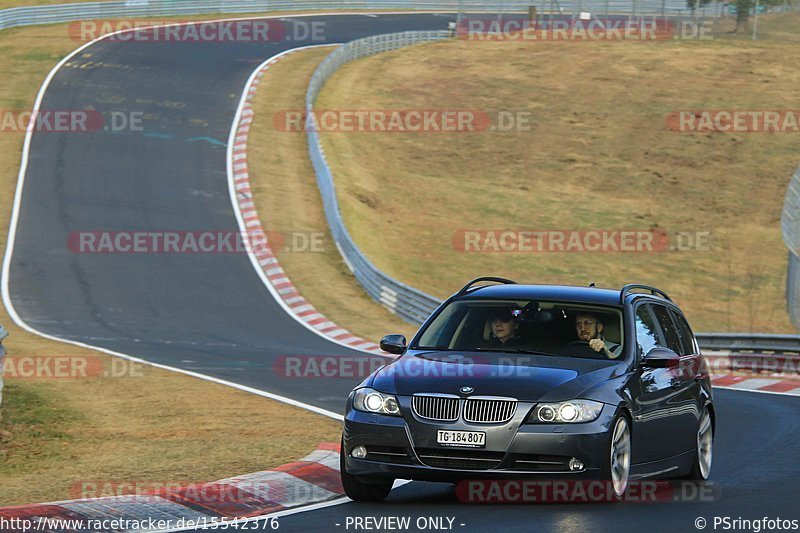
(598,345)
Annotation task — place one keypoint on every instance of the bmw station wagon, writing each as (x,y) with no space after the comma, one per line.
(534,381)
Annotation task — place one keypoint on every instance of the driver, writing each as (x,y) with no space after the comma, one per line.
(589,328)
(504,329)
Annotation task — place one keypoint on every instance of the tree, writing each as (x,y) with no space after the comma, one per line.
(743,8)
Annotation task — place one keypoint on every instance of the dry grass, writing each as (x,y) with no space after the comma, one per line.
(157,427)
(599,155)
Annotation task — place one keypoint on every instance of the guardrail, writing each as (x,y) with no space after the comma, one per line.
(50,14)
(3,335)
(407,302)
(750,342)
(414,305)
(790,226)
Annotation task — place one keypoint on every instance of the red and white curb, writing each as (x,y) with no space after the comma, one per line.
(312,480)
(298,306)
(723,364)
(757,384)
(776,374)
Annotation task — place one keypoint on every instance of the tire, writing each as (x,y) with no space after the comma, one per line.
(704,450)
(618,456)
(362,492)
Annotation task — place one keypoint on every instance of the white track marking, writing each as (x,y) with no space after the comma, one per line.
(4,280)
(232,191)
(14,222)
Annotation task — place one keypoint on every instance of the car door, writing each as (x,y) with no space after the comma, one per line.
(679,423)
(693,370)
(660,399)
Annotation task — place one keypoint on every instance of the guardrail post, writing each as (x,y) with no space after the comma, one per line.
(407,302)
(3,335)
(790,226)
(56,13)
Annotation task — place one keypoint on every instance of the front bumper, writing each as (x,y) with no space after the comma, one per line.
(403,449)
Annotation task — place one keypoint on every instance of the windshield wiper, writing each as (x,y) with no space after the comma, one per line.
(432,348)
(516,350)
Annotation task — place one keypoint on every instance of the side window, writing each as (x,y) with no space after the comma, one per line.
(669,329)
(685,334)
(646,331)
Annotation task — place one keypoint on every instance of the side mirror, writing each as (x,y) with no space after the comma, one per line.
(659,357)
(395,344)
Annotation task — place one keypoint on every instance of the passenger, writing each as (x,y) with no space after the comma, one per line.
(589,328)
(504,329)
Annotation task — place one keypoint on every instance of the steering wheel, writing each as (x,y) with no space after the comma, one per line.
(582,349)
(579,343)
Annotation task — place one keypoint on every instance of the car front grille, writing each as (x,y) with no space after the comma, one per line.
(489,411)
(442,408)
(460,460)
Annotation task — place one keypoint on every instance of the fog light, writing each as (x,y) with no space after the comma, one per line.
(359,452)
(575,464)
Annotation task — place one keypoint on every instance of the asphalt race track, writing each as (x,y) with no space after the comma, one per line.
(210,313)
(754,474)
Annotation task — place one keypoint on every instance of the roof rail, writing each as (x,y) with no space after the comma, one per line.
(628,288)
(469,285)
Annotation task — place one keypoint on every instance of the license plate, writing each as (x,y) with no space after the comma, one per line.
(469,439)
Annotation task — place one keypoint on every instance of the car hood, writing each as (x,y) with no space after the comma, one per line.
(525,377)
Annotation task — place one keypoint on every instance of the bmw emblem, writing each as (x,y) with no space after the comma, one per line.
(466,390)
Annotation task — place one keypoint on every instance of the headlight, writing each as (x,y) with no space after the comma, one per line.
(372,401)
(573,411)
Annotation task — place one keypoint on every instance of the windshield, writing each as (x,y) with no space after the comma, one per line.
(525,326)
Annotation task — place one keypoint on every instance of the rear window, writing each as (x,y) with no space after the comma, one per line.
(685,333)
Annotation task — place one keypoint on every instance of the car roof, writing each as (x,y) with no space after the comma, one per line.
(565,293)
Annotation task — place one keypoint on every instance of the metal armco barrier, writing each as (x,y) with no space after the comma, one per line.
(790,225)
(3,335)
(50,14)
(750,342)
(407,302)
